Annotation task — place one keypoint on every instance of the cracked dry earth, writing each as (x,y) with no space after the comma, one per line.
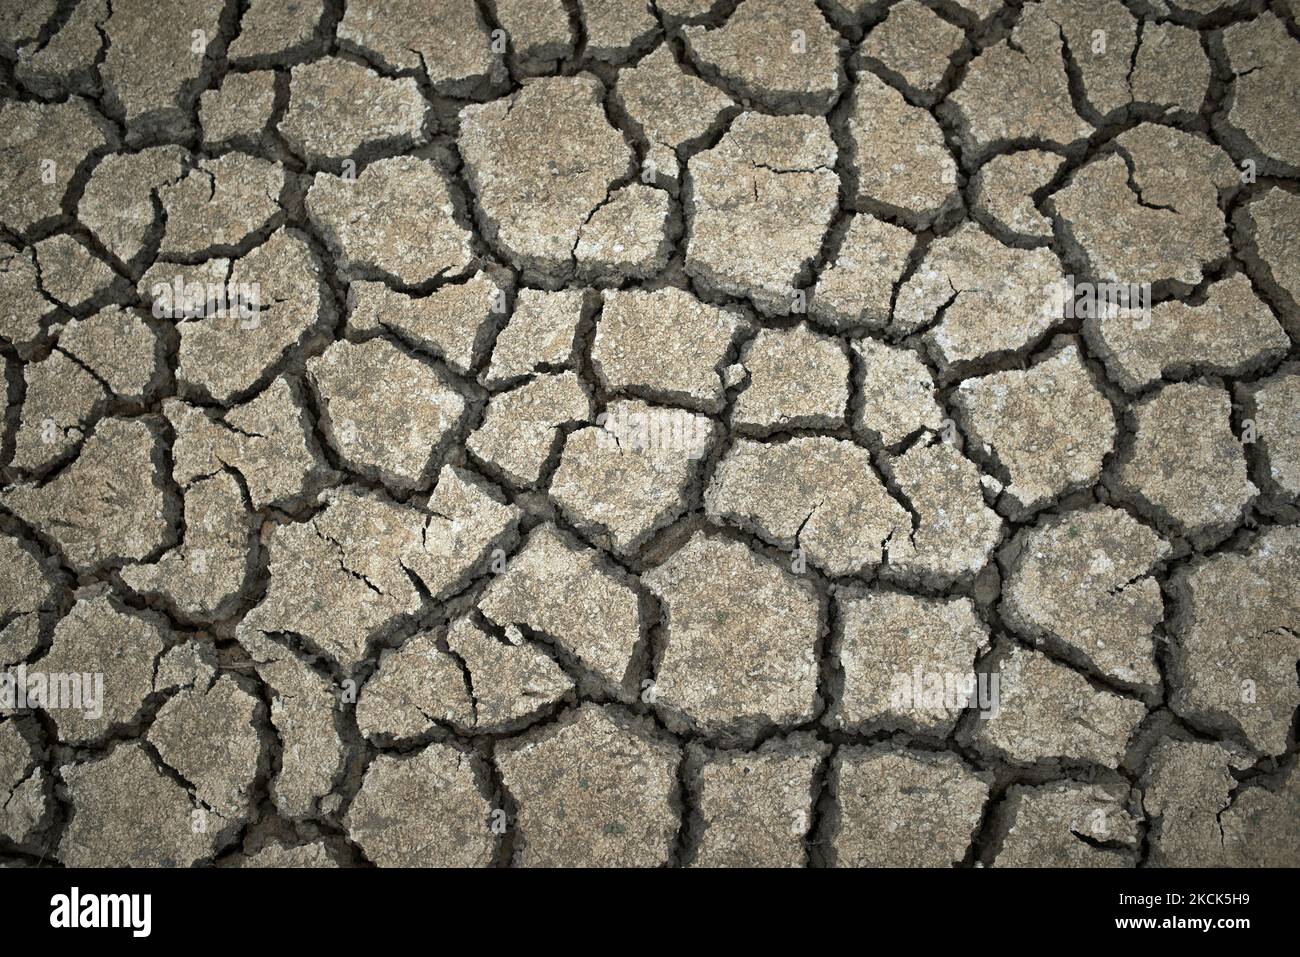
(634,393)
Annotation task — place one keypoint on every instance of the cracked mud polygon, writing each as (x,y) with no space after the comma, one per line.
(688,433)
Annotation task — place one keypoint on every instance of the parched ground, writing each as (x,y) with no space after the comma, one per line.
(660,438)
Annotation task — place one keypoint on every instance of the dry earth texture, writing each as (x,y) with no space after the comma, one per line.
(687,433)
